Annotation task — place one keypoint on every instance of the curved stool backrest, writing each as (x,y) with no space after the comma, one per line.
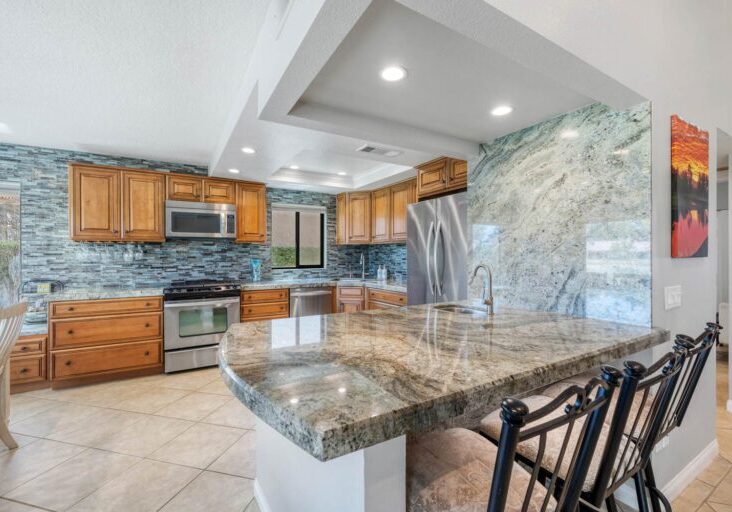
(11,322)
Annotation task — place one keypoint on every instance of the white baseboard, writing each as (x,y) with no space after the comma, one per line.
(672,490)
(729,405)
(261,500)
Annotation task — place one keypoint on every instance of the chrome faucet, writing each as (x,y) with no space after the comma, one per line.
(362,261)
(487,286)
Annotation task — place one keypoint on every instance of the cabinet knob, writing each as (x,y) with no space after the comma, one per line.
(68,363)
(147,352)
(24,348)
(70,308)
(70,331)
(115,231)
(147,325)
(24,370)
(147,304)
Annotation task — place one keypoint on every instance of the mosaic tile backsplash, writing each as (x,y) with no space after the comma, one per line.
(49,255)
(561,212)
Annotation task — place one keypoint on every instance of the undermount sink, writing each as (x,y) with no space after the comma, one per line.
(463,310)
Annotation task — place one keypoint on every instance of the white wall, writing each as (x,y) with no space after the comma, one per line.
(675,53)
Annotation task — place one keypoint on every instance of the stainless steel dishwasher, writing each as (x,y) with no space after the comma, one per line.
(311,301)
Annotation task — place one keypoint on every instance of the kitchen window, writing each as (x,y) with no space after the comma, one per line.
(9,243)
(298,236)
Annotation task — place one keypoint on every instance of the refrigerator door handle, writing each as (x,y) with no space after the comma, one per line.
(430,233)
(439,275)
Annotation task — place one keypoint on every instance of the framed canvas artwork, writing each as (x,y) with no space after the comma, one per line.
(689,190)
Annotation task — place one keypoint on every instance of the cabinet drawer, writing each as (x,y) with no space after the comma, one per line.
(78,308)
(103,330)
(27,345)
(27,369)
(254,296)
(72,363)
(350,291)
(382,305)
(251,312)
(395,298)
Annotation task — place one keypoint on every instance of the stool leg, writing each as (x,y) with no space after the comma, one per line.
(5,435)
(640,492)
(651,481)
(611,504)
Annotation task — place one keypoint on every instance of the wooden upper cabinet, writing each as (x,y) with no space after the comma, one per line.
(380,215)
(219,191)
(441,175)
(341,219)
(185,188)
(251,212)
(143,200)
(94,204)
(359,217)
(402,194)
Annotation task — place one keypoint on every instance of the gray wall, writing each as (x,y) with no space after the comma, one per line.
(48,254)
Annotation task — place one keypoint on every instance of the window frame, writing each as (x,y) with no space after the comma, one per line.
(323,229)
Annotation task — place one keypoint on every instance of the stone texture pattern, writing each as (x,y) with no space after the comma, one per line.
(47,253)
(334,384)
(561,212)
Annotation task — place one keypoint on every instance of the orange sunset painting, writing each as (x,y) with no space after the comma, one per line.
(689,190)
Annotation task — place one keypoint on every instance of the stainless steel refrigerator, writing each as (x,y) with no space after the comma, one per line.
(437,250)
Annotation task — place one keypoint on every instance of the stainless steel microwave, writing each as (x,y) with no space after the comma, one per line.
(185,219)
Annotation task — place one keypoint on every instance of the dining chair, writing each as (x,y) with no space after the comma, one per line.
(459,470)
(11,322)
(627,438)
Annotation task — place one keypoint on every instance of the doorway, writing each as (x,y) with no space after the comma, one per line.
(9,243)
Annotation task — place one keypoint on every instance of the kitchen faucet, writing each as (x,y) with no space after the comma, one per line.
(362,261)
(487,286)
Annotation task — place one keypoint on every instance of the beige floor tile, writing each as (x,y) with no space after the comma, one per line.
(20,439)
(214,492)
(724,418)
(191,380)
(64,417)
(145,487)
(216,387)
(198,446)
(716,471)
(19,466)
(719,507)
(107,394)
(11,506)
(103,427)
(723,493)
(73,480)
(240,459)
(193,407)
(724,438)
(253,507)
(145,436)
(232,414)
(151,400)
(24,406)
(692,497)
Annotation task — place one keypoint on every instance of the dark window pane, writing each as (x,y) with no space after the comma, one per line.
(283,238)
(311,227)
(9,243)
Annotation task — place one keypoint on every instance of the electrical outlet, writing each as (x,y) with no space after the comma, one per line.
(43,288)
(661,445)
(672,296)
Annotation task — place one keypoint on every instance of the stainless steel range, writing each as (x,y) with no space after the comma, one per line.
(197,313)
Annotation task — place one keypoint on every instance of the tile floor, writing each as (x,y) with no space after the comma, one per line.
(177,442)
(712,491)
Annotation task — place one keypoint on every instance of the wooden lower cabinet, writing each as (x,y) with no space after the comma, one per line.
(104,339)
(265,304)
(28,364)
(382,299)
(350,299)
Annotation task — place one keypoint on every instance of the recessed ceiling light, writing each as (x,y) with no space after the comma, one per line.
(569,134)
(502,110)
(342,173)
(621,152)
(234,171)
(294,167)
(341,390)
(393,73)
(293,401)
(248,150)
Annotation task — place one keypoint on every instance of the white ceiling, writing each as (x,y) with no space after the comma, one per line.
(452,82)
(140,78)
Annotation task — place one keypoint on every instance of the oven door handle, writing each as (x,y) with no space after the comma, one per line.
(210,303)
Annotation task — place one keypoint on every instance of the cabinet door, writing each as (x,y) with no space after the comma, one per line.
(350,306)
(94,204)
(184,188)
(432,177)
(457,177)
(143,200)
(251,212)
(359,217)
(380,215)
(219,191)
(341,219)
(402,194)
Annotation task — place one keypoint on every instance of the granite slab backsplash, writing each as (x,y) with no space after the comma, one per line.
(47,254)
(561,212)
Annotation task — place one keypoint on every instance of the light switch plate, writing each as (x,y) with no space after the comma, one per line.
(672,296)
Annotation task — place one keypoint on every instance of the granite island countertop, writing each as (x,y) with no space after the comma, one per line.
(268,284)
(334,384)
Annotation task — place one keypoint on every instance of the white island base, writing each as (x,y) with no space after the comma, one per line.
(290,479)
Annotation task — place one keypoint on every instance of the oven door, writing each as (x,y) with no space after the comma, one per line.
(194,323)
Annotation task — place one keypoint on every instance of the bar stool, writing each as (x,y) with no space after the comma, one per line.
(458,470)
(11,322)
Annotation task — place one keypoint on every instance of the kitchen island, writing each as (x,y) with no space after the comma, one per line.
(335,404)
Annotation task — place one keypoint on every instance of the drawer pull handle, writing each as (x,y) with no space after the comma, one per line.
(71,331)
(24,370)
(24,348)
(68,363)
(147,352)
(147,304)
(70,308)
(147,325)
